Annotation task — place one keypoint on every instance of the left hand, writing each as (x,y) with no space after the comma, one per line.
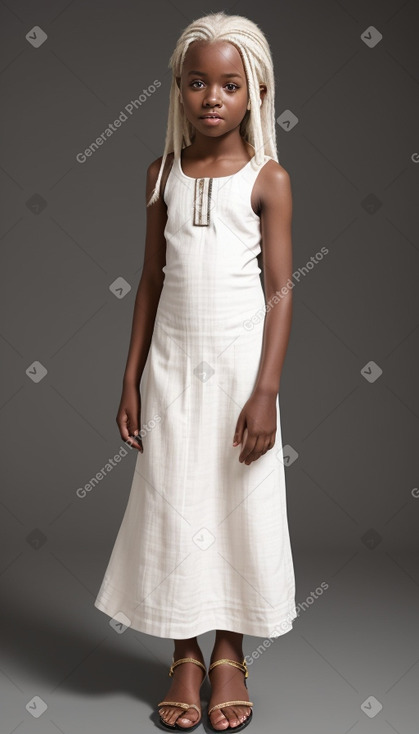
(256,426)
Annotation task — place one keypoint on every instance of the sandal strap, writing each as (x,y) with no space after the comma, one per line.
(242,666)
(185,706)
(186,660)
(229,703)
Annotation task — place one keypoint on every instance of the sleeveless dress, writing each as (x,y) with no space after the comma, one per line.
(204,542)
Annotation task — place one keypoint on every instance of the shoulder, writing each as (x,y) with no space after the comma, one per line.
(153,172)
(273,185)
(273,174)
(154,167)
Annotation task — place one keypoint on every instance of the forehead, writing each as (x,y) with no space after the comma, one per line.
(215,57)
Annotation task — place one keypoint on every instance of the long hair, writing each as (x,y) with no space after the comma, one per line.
(258,124)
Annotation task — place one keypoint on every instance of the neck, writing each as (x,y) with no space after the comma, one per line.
(231,146)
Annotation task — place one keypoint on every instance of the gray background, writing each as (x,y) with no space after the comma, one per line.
(69,230)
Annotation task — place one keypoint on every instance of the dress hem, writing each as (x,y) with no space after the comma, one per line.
(214,620)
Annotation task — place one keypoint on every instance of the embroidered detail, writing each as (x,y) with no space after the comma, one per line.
(202,197)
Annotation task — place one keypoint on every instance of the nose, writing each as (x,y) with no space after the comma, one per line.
(211,98)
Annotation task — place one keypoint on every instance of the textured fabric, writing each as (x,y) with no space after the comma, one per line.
(204,541)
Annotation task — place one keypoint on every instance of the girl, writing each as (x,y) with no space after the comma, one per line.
(204,540)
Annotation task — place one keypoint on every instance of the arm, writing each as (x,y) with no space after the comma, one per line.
(256,425)
(145,308)
(150,285)
(276,217)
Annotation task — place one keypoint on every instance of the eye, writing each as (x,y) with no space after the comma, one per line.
(229,84)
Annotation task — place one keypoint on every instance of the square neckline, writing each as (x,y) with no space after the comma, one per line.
(198,178)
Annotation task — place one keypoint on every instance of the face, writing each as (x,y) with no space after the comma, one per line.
(213,81)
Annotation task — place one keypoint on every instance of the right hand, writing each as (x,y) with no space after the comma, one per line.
(129,416)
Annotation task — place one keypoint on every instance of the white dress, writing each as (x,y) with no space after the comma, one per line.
(204,542)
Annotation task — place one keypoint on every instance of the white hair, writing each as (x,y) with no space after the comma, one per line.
(258,124)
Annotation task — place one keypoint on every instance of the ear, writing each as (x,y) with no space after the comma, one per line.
(262,89)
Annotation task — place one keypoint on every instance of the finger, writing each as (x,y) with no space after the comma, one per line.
(132,442)
(238,435)
(249,443)
(269,444)
(137,439)
(132,422)
(257,451)
(122,421)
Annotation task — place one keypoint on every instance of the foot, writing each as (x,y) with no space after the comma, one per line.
(187,680)
(227,684)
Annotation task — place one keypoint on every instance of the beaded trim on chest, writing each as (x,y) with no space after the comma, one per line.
(201,204)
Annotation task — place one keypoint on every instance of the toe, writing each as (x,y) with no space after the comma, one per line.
(170,714)
(189,718)
(237,715)
(163,713)
(244,714)
(218,720)
(231,716)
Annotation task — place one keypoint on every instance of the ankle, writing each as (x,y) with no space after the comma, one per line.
(228,645)
(225,651)
(189,650)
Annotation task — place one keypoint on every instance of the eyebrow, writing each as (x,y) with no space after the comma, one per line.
(202,73)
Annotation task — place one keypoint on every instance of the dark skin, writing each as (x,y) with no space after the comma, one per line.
(217,150)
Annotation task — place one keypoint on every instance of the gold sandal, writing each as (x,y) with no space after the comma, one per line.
(184,706)
(243,667)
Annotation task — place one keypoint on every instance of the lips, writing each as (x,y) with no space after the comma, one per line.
(217,117)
